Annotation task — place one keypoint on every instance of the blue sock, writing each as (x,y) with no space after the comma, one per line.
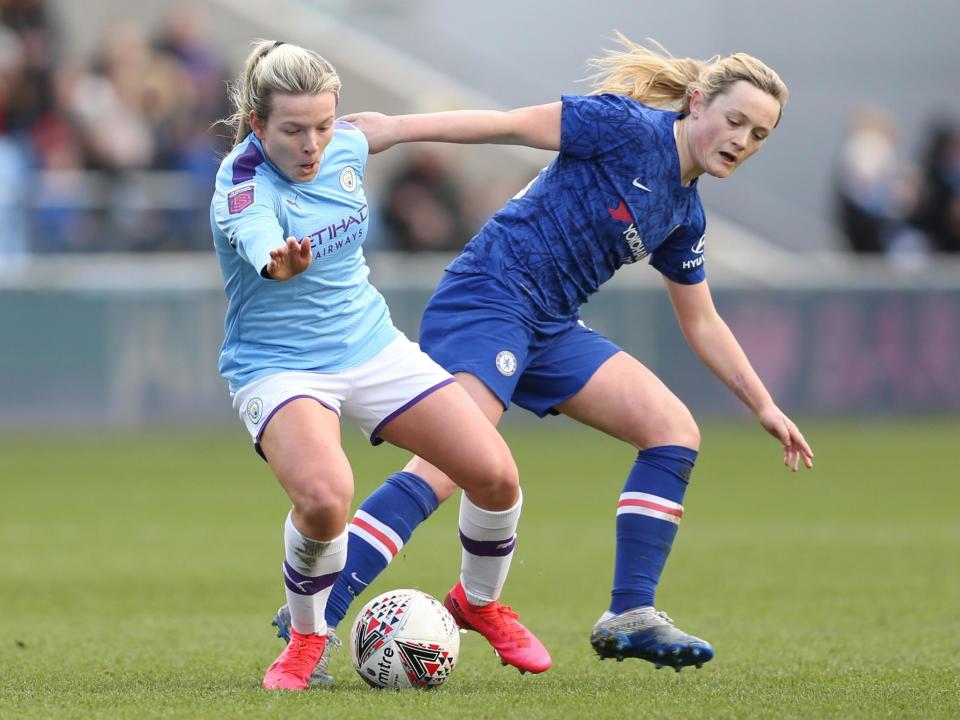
(382,524)
(648,516)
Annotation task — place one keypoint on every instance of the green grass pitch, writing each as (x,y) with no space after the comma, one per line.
(139,574)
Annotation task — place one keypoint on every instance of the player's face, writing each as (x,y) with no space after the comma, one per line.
(730,128)
(297,132)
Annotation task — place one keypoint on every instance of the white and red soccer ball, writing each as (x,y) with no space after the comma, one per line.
(404,639)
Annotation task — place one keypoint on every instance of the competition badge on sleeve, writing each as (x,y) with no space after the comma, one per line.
(240,199)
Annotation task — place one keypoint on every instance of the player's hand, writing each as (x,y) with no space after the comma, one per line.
(785,430)
(290,259)
(379,129)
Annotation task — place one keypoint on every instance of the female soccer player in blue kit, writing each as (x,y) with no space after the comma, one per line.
(505,317)
(308,337)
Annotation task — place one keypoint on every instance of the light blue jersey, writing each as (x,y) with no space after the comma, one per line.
(327,319)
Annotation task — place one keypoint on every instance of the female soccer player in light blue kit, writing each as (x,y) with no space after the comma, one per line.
(505,317)
(308,338)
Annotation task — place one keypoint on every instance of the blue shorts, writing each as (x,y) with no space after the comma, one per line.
(476,324)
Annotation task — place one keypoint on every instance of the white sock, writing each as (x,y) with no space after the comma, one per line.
(310,569)
(488,538)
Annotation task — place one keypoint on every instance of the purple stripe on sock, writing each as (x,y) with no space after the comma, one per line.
(304,584)
(374,436)
(488,548)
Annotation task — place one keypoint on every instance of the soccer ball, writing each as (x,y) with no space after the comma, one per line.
(404,639)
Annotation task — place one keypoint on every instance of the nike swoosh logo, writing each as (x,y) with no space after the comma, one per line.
(357,580)
(638,184)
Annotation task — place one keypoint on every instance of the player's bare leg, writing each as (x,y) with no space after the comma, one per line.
(302,445)
(624,399)
(419,489)
(450,431)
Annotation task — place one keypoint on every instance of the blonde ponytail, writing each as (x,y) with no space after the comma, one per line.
(276,67)
(658,79)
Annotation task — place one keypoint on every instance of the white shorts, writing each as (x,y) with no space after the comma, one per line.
(371,394)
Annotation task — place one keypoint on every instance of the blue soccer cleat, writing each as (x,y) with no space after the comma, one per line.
(650,635)
(320,675)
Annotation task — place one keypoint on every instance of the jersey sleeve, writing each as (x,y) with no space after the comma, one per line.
(591,125)
(247,215)
(681,257)
(357,142)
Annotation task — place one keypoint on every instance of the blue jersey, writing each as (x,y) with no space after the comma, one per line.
(325,319)
(612,196)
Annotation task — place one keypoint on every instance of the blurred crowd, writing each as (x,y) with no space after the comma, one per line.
(118,152)
(107,154)
(889,204)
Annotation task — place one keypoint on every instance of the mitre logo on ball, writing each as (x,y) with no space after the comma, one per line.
(404,639)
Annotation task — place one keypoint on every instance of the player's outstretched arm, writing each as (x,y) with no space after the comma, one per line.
(290,259)
(715,344)
(537,126)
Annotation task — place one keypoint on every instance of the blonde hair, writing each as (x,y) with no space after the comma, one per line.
(276,67)
(659,79)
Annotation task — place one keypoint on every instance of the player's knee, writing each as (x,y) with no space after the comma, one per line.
(675,426)
(323,507)
(496,480)
(687,431)
(506,478)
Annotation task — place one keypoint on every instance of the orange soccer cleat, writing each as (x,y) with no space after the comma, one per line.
(514,644)
(292,670)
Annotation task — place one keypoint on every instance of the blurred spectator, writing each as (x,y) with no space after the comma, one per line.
(114,155)
(13,159)
(30,99)
(939,209)
(877,189)
(184,37)
(192,146)
(423,208)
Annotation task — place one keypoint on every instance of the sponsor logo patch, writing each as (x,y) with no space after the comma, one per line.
(240,199)
(638,251)
(698,260)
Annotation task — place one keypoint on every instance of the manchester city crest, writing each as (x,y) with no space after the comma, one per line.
(254,410)
(348,179)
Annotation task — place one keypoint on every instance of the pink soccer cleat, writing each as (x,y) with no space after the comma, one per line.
(514,644)
(292,670)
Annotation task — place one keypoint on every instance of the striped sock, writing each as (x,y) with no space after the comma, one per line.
(488,538)
(648,516)
(381,526)
(310,568)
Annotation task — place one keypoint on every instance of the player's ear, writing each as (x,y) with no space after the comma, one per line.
(258,125)
(698,102)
